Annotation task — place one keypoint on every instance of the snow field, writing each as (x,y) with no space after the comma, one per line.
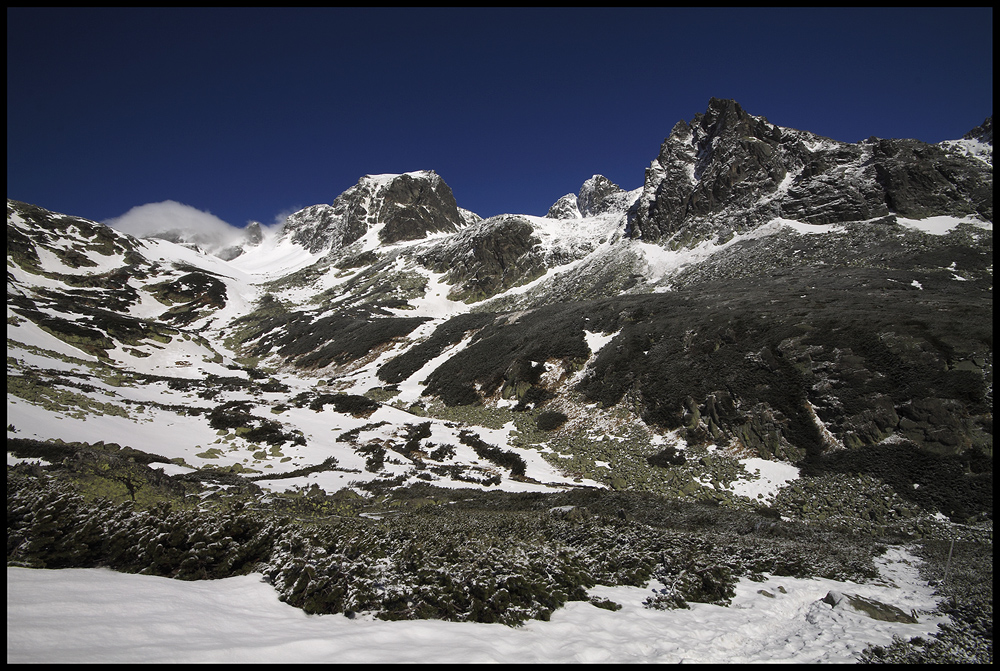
(97,615)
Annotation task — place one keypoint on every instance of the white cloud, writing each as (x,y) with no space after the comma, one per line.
(190,224)
(202,228)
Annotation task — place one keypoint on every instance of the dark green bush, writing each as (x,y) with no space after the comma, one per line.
(449,333)
(503,458)
(667,457)
(352,404)
(550,420)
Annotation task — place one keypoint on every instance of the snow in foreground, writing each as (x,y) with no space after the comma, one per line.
(97,615)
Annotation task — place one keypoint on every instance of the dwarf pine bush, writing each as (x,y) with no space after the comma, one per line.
(486,557)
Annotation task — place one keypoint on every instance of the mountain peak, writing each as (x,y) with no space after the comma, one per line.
(723,110)
(598,195)
(982,132)
(565,208)
(404,206)
(385,179)
(728,116)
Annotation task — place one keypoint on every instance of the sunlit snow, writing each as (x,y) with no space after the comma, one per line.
(943,224)
(99,616)
(770,477)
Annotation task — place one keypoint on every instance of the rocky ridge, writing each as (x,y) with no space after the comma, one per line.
(728,171)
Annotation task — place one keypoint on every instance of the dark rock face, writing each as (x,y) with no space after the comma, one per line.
(731,171)
(921,180)
(407,206)
(492,256)
(412,207)
(332,227)
(725,158)
(833,185)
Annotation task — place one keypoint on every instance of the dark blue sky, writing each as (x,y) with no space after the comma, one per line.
(247,113)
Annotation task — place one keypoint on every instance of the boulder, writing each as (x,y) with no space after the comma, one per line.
(871,607)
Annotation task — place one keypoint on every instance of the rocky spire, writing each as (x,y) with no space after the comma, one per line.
(598,195)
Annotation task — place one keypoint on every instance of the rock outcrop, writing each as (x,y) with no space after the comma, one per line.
(490,257)
(565,208)
(983,132)
(599,195)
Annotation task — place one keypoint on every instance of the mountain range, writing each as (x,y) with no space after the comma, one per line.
(768,299)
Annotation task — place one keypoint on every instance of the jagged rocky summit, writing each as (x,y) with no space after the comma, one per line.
(729,171)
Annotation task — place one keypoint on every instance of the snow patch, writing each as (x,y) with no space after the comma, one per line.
(97,615)
(771,477)
(597,341)
(944,224)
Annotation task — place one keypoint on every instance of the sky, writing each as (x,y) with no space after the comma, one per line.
(250,114)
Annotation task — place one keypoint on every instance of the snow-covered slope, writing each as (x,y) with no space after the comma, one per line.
(780,619)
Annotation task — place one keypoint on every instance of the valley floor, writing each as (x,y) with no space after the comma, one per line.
(97,615)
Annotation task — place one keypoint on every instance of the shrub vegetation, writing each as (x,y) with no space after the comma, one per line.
(460,555)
